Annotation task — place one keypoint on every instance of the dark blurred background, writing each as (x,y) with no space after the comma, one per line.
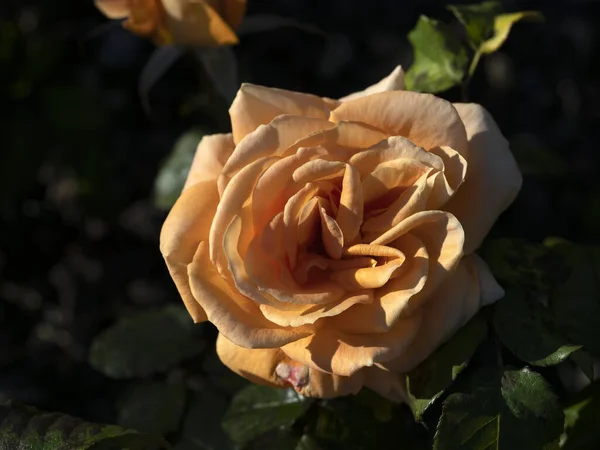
(79,154)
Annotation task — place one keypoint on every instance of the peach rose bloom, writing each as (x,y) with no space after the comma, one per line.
(331,242)
(186,22)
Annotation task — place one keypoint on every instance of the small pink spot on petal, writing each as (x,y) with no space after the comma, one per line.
(295,374)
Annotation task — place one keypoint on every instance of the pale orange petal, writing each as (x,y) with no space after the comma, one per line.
(455,301)
(257,105)
(390,149)
(270,140)
(196,24)
(233,12)
(493,179)
(257,365)
(210,158)
(237,317)
(326,385)
(389,301)
(344,354)
(393,82)
(424,119)
(276,185)
(341,137)
(293,315)
(113,9)
(350,214)
(331,234)
(387,384)
(367,278)
(489,288)
(187,224)
(291,214)
(235,195)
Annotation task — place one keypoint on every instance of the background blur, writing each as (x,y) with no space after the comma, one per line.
(79,155)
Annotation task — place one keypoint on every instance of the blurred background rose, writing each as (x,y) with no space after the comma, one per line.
(79,155)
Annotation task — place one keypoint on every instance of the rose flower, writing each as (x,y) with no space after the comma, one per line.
(331,242)
(186,22)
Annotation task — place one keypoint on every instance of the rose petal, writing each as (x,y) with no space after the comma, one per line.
(455,301)
(331,234)
(350,214)
(390,300)
(341,137)
(387,384)
(424,119)
(344,354)
(412,200)
(393,82)
(270,140)
(391,149)
(197,24)
(317,170)
(186,226)
(292,315)
(237,317)
(210,158)
(326,385)
(367,278)
(276,185)
(235,195)
(113,9)
(490,290)
(257,365)
(233,12)
(258,105)
(291,214)
(493,180)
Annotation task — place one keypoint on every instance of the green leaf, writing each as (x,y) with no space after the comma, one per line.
(478,20)
(502,25)
(173,173)
(258,409)
(344,423)
(440,59)
(146,343)
(430,379)
(381,407)
(530,266)
(202,424)
(581,420)
(152,407)
(526,328)
(576,303)
(24,427)
(500,409)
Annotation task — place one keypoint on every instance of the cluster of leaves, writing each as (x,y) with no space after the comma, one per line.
(441,56)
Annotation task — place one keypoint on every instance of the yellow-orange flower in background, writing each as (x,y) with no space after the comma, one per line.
(202,23)
(331,242)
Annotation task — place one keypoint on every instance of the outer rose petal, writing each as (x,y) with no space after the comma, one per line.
(186,226)
(197,23)
(210,157)
(424,119)
(393,82)
(493,178)
(257,365)
(113,9)
(232,11)
(456,300)
(258,105)
(237,317)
